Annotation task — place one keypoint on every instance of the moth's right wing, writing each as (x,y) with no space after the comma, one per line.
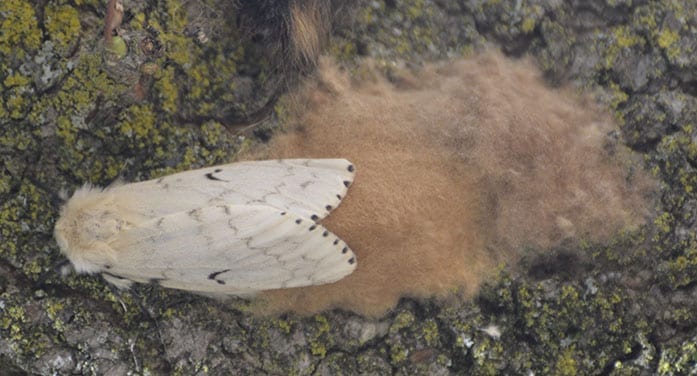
(230,249)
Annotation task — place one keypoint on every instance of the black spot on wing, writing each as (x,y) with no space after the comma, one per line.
(343,251)
(210,175)
(213,276)
(298,221)
(328,207)
(352,260)
(350,168)
(312,228)
(314,217)
(347,183)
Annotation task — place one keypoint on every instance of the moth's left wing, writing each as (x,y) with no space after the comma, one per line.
(310,188)
(231,249)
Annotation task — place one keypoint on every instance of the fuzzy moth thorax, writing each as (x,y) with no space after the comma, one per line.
(87,224)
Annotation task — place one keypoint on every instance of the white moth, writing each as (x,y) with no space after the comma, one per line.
(232,229)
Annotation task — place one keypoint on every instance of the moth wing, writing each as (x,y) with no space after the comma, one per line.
(231,249)
(310,188)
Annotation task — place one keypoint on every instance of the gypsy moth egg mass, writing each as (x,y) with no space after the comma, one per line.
(456,175)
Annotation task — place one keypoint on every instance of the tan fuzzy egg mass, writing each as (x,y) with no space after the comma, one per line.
(459,167)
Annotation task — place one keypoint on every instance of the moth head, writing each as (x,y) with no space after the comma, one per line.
(84,227)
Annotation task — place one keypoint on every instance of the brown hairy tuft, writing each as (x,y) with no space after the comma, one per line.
(293,32)
(458,167)
(308,30)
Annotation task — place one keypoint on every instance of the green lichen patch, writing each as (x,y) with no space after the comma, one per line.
(404,31)
(201,81)
(20,34)
(512,23)
(678,360)
(24,219)
(62,25)
(115,50)
(414,344)
(674,241)
(566,328)
(670,28)
(319,340)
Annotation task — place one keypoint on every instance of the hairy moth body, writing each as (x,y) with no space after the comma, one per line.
(232,229)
